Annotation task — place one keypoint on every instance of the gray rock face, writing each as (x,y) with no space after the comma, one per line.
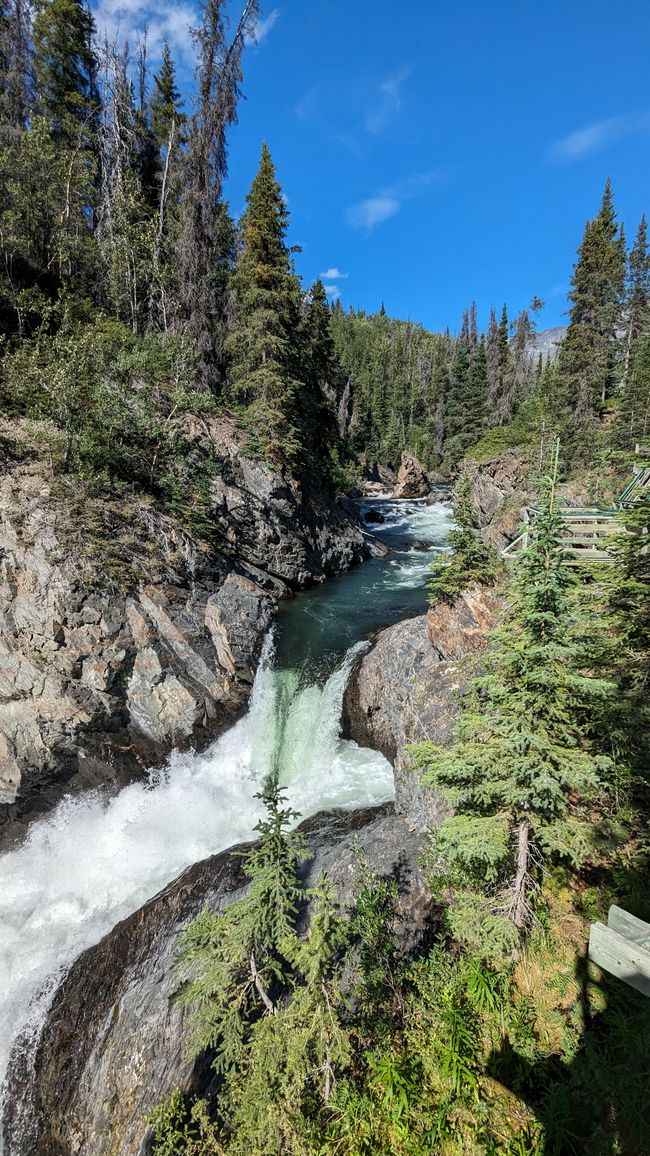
(405,690)
(121,639)
(269,519)
(96,685)
(112,1046)
(499,495)
(412,479)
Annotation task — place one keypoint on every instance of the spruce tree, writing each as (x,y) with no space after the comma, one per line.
(262,345)
(167,116)
(65,69)
(637,305)
(522,771)
(472,559)
(239,961)
(590,350)
(319,393)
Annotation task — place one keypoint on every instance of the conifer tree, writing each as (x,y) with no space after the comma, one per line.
(637,306)
(169,128)
(323,385)
(633,418)
(590,350)
(167,116)
(238,961)
(493,369)
(200,311)
(471,560)
(15,68)
(262,345)
(65,70)
(522,770)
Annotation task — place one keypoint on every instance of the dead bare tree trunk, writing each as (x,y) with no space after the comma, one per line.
(519,905)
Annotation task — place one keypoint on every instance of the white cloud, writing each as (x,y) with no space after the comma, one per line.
(305,105)
(333,292)
(334,275)
(389,103)
(125,20)
(388,201)
(372,212)
(598,135)
(262,28)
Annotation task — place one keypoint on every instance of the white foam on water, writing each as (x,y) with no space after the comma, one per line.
(95,859)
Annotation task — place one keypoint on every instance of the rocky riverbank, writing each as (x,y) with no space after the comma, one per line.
(122,636)
(113,1046)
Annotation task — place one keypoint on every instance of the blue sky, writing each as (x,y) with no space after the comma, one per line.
(434,153)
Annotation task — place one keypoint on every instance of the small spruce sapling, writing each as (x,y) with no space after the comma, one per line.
(471,560)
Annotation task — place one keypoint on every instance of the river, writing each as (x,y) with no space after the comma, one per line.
(96,858)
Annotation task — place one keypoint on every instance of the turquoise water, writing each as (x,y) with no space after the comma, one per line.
(316,628)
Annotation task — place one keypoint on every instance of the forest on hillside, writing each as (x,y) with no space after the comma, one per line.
(129,297)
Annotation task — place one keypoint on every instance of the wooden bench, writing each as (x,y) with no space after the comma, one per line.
(623,948)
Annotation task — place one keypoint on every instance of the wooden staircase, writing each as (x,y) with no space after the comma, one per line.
(587,529)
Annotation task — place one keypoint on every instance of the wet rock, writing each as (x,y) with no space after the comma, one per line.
(406,688)
(374,516)
(112,1046)
(412,479)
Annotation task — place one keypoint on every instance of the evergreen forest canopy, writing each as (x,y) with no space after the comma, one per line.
(128,295)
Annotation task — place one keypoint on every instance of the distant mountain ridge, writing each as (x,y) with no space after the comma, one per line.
(548,341)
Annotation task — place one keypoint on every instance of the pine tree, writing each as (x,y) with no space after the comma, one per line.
(65,70)
(262,345)
(522,770)
(637,306)
(590,350)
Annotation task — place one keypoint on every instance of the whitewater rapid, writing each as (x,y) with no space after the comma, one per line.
(94,860)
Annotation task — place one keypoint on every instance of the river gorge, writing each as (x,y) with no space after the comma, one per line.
(97,858)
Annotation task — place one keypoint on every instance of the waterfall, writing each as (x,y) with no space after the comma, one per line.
(96,859)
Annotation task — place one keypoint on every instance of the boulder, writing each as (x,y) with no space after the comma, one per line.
(412,479)
(406,690)
(112,1046)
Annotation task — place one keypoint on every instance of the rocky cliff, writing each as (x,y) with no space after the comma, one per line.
(499,492)
(405,689)
(112,1046)
(121,636)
